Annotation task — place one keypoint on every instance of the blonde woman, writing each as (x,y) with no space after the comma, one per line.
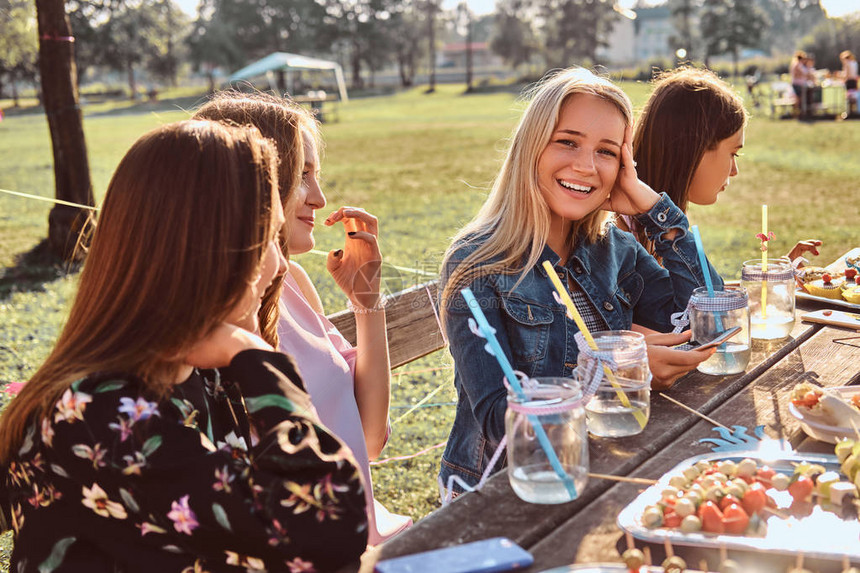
(570,161)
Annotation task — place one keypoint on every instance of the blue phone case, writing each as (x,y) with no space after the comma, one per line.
(487,556)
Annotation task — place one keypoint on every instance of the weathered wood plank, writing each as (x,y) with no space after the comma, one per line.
(591,534)
(413,330)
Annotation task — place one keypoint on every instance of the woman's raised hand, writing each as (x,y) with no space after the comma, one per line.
(629,196)
(807,246)
(356,267)
(218,348)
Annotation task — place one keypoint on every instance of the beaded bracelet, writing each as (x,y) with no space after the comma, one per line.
(380,305)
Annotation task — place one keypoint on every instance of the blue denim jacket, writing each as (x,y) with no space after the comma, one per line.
(624,283)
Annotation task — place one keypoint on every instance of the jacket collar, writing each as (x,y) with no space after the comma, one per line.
(578,258)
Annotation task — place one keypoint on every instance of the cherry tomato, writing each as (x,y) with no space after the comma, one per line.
(712,518)
(735,519)
(765,474)
(754,499)
(801,488)
(671,519)
(727,501)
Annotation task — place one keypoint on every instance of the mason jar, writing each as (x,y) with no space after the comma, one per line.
(618,379)
(547,416)
(713,315)
(771,298)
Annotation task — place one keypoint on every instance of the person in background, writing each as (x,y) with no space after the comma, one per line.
(849,76)
(161,434)
(349,386)
(569,161)
(801,75)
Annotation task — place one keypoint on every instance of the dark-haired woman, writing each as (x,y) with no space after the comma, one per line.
(161,434)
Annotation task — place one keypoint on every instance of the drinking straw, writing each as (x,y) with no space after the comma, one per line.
(703,262)
(574,313)
(514,381)
(764,263)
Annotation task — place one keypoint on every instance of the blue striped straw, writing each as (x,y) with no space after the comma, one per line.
(709,284)
(508,370)
(703,262)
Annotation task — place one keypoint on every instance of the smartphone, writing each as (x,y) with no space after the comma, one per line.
(719,339)
(487,556)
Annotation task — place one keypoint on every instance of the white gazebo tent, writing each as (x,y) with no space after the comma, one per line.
(289,63)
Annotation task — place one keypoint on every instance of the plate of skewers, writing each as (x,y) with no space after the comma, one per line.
(827,414)
(791,504)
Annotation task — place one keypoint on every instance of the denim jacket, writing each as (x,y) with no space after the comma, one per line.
(623,282)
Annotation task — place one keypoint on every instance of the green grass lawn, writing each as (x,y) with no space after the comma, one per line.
(423,164)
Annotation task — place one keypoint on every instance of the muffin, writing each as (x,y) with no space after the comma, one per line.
(810,274)
(851,288)
(826,287)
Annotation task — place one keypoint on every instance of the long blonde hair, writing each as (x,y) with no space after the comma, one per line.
(513,224)
(287,124)
(184,225)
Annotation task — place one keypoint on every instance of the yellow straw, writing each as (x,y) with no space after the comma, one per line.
(764,263)
(574,314)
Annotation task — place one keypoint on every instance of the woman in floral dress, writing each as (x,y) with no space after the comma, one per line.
(161,434)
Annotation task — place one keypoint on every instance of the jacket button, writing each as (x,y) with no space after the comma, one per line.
(577,269)
(608,306)
(661,217)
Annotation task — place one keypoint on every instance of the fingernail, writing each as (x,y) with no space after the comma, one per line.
(351,233)
(338,252)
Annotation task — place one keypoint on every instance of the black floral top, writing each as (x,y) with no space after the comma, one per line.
(232,472)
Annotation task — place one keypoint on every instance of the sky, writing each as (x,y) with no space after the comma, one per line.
(834,8)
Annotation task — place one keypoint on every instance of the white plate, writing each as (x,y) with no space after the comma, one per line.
(822,534)
(823,432)
(841,302)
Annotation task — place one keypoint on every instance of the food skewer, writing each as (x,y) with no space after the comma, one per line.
(696,412)
(625,479)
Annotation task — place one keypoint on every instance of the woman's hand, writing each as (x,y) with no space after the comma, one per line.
(218,348)
(356,267)
(629,196)
(668,364)
(807,246)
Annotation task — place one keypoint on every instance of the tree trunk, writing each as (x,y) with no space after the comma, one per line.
(132,82)
(468,51)
(431,38)
(65,122)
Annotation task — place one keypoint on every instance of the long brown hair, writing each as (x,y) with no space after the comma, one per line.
(513,224)
(689,112)
(286,123)
(183,229)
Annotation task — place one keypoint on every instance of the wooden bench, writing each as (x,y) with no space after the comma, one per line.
(413,326)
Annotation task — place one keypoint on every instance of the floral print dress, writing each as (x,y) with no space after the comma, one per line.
(231,472)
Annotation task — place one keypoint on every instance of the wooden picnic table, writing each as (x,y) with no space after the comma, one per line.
(585,530)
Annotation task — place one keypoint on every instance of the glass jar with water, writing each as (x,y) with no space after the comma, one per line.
(547,441)
(618,376)
(771,298)
(712,313)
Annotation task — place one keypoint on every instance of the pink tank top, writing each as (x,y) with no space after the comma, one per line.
(326,361)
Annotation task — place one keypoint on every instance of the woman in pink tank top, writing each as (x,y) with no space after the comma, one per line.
(349,386)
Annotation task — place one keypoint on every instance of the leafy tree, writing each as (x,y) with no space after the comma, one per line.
(362,27)
(407,46)
(18,45)
(830,38)
(575,29)
(513,37)
(729,25)
(790,20)
(684,16)
(65,122)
